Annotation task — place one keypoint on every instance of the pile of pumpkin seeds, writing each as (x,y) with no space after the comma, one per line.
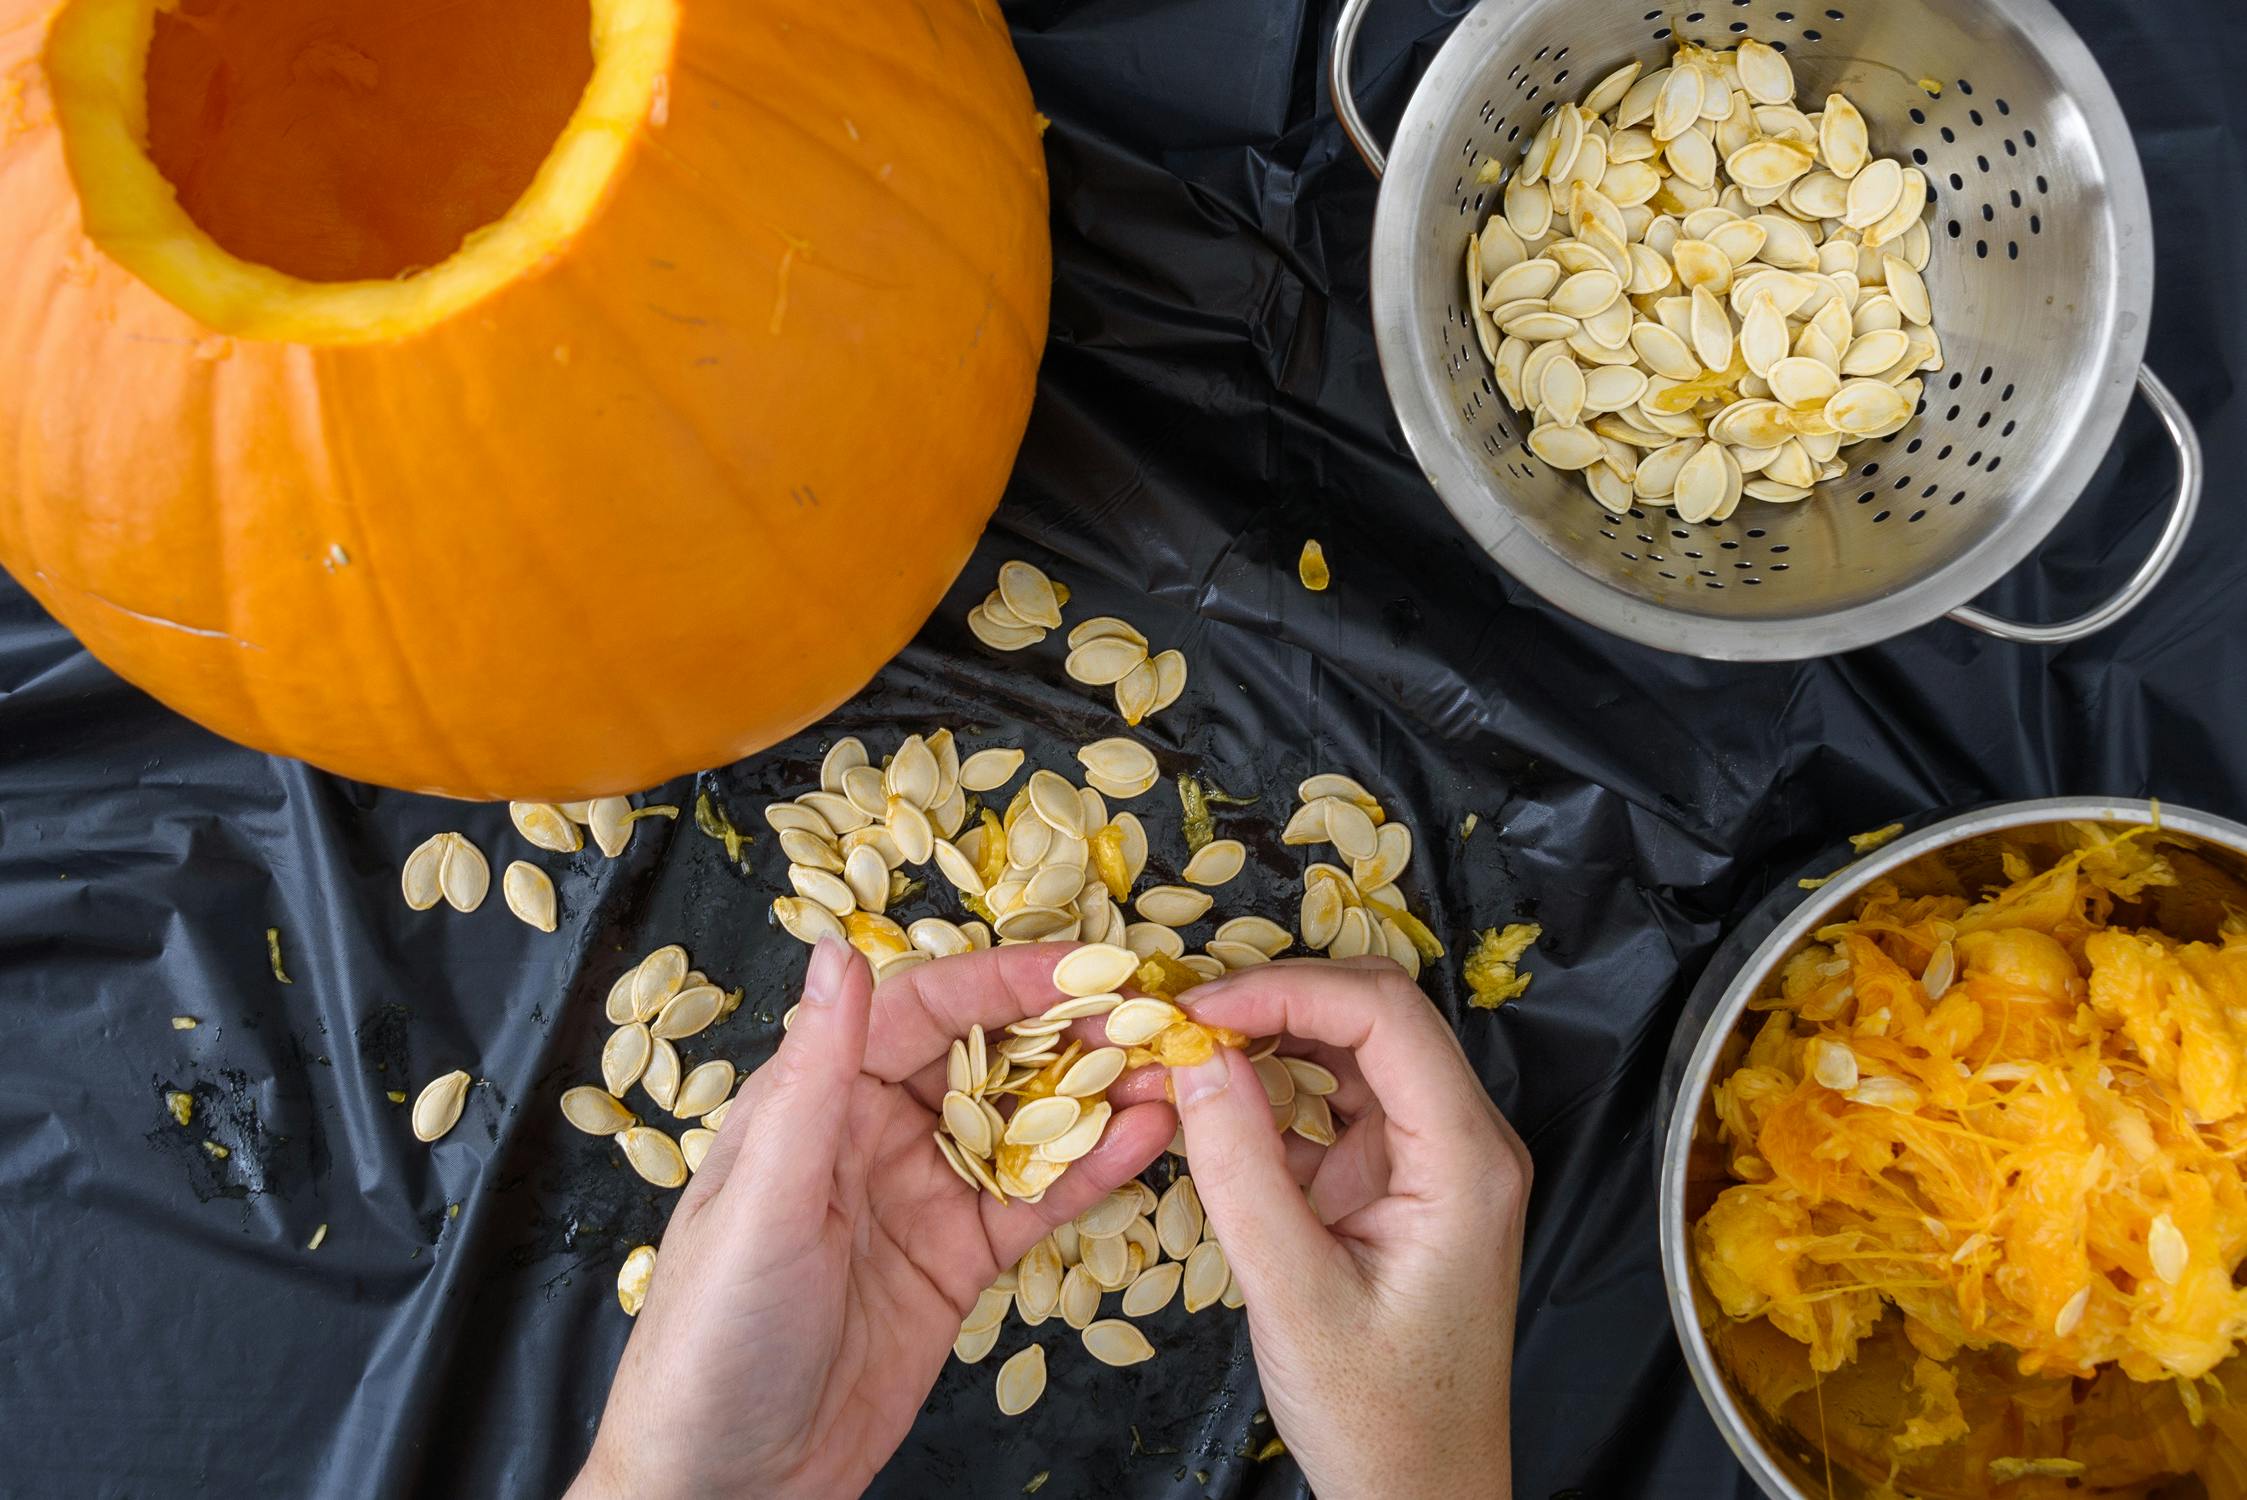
(1700,291)
(654,1005)
(1149,1251)
(1107,651)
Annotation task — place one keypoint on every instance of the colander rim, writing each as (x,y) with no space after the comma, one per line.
(1484,507)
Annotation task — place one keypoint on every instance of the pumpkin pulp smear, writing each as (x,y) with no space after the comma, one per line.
(345,171)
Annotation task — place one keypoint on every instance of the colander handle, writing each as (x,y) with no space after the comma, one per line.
(1338,84)
(2190,472)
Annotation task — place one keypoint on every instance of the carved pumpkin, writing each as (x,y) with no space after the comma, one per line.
(526,398)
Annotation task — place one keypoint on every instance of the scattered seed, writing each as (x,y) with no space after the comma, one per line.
(595,1111)
(1172,905)
(687,1012)
(1022,1380)
(660,1078)
(654,1155)
(530,894)
(1112,1341)
(610,821)
(463,874)
(547,826)
(1311,567)
(419,877)
(633,1279)
(438,1107)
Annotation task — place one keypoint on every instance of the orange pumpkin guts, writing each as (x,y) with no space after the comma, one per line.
(531,398)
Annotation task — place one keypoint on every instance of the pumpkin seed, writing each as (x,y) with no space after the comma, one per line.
(1205,1276)
(694,1146)
(1056,803)
(464,876)
(419,877)
(1152,1289)
(546,825)
(1112,1341)
(1079,1139)
(988,770)
(1042,1120)
(1349,828)
(1179,1217)
(1029,593)
(1119,761)
(1312,1119)
(968,1124)
(1172,905)
(438,1106)
(595,1111)
(910,828)
(654,1155)
(703,1089)
(1264,935)
(624,1057)
(806,921)
(1001,637)
(609,820)
(1104,660)
(1873,192)
(1137,692)
(1764,72)
(633,1279)
(1021,1381)
(659,1079)
(913,774)
(845,754)
(530,894)
(1138,1021)
(1216,862)
(1094,969)
(1233,955)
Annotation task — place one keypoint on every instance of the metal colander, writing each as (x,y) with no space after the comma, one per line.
(2042,275)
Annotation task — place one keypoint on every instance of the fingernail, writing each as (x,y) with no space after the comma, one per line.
(823,981)
(1202,1080)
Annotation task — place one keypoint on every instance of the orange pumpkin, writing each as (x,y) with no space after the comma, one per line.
(530,398)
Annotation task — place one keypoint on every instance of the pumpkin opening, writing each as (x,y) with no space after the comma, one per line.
(347,171)
(349,140)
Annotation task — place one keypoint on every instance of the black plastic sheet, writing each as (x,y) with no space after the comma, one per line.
(1210,399)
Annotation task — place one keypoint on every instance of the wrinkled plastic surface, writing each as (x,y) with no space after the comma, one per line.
(1210,399)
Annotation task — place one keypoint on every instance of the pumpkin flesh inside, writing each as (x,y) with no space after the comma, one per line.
(348,140)
(347,171)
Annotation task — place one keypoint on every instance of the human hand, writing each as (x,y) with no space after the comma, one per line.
(809,1286)
(1381,1304)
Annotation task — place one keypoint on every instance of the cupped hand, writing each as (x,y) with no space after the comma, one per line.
(1380,1275)
(817,1268)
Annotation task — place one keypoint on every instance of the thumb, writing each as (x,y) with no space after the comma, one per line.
(1272,1240)
(799,1121)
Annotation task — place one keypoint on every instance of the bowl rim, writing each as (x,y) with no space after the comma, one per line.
(1485,508)
(1815,911)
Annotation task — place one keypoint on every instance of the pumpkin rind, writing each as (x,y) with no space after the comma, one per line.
(661,500)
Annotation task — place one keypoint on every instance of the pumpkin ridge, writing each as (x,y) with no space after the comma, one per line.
(935,83)
(1030,328)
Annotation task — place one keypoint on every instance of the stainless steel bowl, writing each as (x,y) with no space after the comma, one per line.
(1711,1036)
(2042,270)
